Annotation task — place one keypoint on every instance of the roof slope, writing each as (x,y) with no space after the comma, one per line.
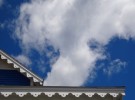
(22,69)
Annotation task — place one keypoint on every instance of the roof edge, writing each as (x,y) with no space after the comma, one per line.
(62,91)
(23,69)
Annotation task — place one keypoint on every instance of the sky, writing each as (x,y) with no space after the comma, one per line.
(72,42)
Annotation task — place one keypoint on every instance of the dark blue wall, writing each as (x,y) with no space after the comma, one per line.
(13,78)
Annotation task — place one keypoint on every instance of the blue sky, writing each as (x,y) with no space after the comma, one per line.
(94,47)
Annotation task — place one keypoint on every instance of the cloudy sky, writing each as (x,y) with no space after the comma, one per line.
(72,42)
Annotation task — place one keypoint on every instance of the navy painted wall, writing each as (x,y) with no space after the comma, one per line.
(13,78)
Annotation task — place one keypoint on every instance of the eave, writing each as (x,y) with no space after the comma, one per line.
(62,91)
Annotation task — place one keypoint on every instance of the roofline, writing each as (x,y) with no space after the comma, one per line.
(62,91)
(20,65)
(63,88)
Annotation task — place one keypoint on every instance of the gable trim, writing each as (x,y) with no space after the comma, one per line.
(21,68)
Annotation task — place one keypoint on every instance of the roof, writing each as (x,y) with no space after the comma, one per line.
(62,91)
(21,67)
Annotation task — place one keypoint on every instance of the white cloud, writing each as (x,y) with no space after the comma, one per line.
(23,59)
(115,67)
(70,26)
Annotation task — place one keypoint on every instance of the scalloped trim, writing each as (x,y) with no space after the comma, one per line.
(62,94)
(21,70)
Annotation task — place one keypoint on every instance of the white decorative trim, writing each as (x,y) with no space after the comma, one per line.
(6,94)
(49,94)
(89,94)
(9,62)
(41,83)
(15,66)
(102,94)
(28,75)
(114,94)
(122,93)
(22,69)
(62,94)
(77,94)
(35,94)
(35,80)
(21,94)
(3,57)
